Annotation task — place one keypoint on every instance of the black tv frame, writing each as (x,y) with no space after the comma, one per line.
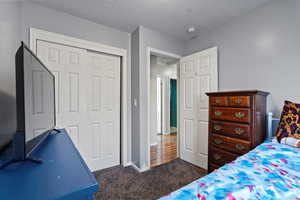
(20,152)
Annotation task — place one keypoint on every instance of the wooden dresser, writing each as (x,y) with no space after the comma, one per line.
(237,124)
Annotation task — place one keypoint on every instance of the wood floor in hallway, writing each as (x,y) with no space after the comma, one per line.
(165,150)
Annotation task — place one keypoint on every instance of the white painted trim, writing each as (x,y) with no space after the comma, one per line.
(154,144)
(163,53)
(178,109)
(128,164)
(137,168)
(37,34)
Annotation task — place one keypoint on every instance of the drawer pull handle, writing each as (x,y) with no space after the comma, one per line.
(217,157)
(240,147)
(238,101)
(218,101)
(218,141)
(239,131)
(217,127)
(239,115)
(218,113)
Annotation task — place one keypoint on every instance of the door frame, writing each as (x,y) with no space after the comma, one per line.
(167,54)
(160,103)
(38,34)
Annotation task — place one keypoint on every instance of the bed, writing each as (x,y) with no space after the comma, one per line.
(270,171)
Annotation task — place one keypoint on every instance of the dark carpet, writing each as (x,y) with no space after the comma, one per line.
(119,183)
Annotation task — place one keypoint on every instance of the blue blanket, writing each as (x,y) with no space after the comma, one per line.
(270,171)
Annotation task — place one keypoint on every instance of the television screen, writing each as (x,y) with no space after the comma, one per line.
(35,104)
(39,100)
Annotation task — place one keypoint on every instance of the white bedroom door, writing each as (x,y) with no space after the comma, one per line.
(198,75)
(80,95)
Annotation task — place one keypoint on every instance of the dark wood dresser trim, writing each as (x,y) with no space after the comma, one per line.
(220,157)
(236,124)
(238,93)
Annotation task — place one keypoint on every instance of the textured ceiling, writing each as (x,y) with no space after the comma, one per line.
(171,17)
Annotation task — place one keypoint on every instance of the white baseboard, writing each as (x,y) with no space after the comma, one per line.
(135,167)
(144,169)
(167,133)
(127,164)
(153,144)
(140,170)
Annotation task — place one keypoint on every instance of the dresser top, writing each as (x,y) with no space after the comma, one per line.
(238,92)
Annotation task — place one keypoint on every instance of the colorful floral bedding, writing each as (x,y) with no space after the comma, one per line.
(270,171)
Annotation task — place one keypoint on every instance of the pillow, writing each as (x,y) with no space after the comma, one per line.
(289,125)
(291,141)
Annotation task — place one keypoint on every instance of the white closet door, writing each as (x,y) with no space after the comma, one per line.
(68,66)
(75,94)
(198,75)
(73,72)
(104,109)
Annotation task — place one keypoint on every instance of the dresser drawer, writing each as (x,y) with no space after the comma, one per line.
(241,131)
(212,167)
(231,114)
(219,101)
(220,157)
(230,144)
(239,101)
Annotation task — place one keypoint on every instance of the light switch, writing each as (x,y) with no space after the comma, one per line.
(135,102)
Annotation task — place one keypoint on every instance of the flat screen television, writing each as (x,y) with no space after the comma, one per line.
(35,100)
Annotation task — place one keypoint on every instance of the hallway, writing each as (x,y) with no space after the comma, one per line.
(165,151)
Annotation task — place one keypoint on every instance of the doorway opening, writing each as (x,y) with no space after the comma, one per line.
(164,92)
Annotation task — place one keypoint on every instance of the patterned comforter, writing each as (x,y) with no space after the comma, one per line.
(270,171)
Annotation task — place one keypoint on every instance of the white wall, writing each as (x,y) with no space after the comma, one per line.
(9,42)
(259,51)
(165,72)
(135,47)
